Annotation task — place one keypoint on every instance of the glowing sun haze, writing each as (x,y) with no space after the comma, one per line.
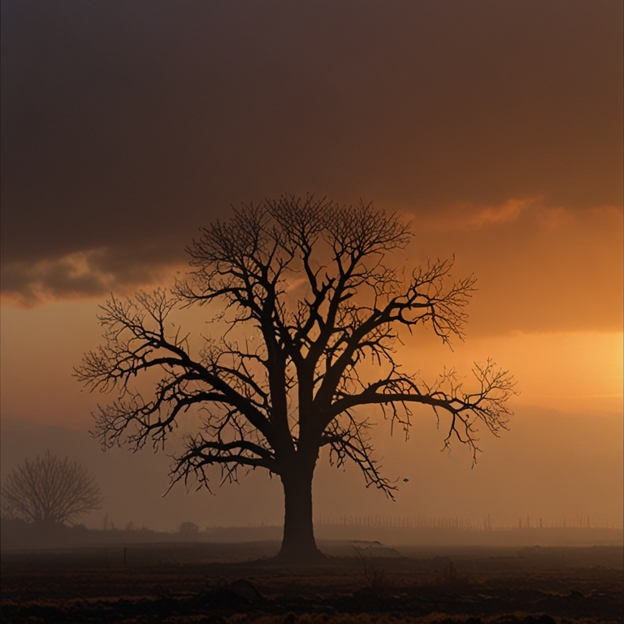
(494,127)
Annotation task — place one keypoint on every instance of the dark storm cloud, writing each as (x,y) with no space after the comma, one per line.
(128,125)
(91,273)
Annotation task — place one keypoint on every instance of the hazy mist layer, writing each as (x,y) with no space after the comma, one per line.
(550,465)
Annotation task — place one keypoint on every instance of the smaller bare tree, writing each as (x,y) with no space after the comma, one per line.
(50,491)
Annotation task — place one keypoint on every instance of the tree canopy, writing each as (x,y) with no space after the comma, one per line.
(314,314)
(49,490)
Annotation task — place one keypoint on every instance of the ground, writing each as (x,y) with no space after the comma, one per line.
(360,582)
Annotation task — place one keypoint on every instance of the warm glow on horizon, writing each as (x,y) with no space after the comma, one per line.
(577,372)
(569,380)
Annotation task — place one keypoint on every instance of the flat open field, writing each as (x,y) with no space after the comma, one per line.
(360,582)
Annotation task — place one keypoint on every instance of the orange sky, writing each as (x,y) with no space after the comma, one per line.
(495,127)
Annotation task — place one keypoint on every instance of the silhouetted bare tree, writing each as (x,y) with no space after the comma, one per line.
(49,490)
(314,315)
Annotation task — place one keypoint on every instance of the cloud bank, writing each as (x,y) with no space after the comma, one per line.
(126,126)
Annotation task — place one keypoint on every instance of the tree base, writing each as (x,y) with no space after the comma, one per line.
(300,556)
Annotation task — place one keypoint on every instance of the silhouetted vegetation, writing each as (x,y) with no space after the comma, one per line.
(49,491)
(189,529)
(314,315)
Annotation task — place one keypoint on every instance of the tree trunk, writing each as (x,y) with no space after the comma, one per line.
(298,543)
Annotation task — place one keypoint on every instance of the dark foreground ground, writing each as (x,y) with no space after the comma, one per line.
(360,583)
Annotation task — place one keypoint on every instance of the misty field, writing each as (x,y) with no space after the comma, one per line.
(360,582)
